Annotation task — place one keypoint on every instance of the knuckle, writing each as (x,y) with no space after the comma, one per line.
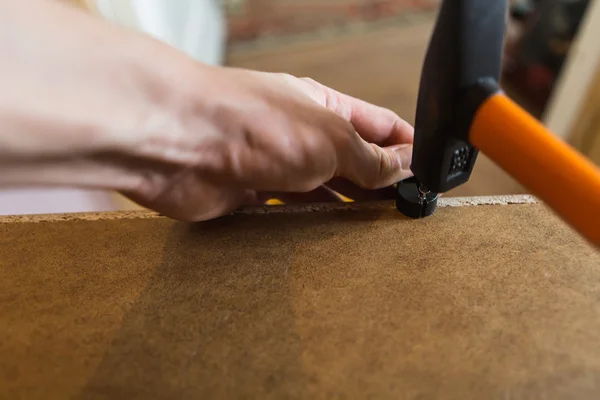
(308,80)
(286,76)
(314,145)
(383,166)
(377,174)
(345,135)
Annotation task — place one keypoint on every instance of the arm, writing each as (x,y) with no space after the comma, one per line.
(85,103)
(76,92)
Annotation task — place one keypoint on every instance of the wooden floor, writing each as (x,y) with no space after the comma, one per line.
(380,65)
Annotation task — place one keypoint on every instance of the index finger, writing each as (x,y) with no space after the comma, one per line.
(373,167)
(373,123)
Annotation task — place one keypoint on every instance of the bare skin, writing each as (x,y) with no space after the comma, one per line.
(87,104)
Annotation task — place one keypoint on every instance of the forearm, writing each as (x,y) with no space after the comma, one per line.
(83,172)
(80,98)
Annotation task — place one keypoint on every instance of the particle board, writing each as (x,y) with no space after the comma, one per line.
(485,299)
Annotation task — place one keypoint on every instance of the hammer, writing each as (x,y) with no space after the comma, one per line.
(462,111)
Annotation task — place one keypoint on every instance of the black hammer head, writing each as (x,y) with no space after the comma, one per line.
(465,48)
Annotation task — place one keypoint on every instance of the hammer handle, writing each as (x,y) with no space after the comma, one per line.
(551,169)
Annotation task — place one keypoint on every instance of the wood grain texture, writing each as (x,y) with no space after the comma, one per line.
(498,301)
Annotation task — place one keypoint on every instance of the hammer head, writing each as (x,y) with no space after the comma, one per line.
(465,48)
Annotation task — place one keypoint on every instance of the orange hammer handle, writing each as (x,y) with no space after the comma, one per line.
(554,171)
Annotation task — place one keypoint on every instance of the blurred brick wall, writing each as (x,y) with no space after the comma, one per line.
(252,19)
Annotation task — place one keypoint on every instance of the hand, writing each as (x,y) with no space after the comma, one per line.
(87,104)
(249,136)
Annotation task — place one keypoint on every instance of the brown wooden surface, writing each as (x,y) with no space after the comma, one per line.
(494,302)
(379,64)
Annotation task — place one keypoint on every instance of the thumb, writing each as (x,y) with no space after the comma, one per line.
(373,167)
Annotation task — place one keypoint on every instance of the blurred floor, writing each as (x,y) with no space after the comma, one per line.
(379,63)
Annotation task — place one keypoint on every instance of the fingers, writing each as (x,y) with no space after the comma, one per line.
(352,191)
(213,202)
(372,167)
(373,123)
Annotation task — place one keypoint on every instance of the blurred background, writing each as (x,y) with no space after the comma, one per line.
(373,50)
